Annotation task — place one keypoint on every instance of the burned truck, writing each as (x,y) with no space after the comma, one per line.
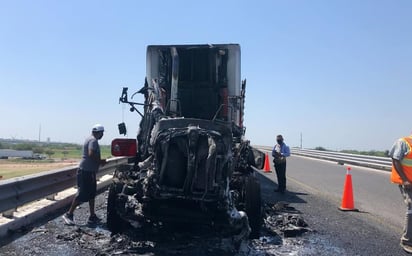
(190,161)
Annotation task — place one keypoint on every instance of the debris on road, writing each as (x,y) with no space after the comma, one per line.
(285,220)
(283,225)
(55,238)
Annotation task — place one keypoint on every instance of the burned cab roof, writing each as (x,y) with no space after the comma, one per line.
(193,46)
(197,80)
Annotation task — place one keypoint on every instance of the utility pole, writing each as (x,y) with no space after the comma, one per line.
(39,132)
(301,140)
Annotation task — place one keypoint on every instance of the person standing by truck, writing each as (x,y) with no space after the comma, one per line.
(280,152)
(401,155)
(86,176)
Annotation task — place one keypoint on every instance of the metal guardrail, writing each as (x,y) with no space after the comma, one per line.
(376,162)
(19,191)
(22,190)
(384,163)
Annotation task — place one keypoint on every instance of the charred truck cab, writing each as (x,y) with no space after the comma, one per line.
(191,162)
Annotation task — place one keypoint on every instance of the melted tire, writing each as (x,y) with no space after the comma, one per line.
(114,222)
(253,205)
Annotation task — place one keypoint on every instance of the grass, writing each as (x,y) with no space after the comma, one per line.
(73,153)
(12,168)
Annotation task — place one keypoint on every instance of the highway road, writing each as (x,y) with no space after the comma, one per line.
(314,188)
(373,191)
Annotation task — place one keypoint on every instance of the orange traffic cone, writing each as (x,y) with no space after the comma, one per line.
(266,167)
(347,197)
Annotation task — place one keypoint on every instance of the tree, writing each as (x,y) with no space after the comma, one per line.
(49,152)
(38,150)
(24,146)
(65,152)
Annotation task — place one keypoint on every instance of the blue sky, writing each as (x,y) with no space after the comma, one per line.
(339,72)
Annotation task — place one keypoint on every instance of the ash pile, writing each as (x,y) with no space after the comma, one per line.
(283,233)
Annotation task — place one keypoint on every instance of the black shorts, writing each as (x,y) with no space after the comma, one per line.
(86,185)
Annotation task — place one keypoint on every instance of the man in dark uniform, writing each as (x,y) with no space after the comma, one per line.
(86,175)
(279,153)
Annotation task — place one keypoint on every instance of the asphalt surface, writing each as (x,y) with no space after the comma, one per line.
(52,237)
(315,188)
(373,191)
(314,192)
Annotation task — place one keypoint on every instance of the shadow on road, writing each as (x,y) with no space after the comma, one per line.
(268,194)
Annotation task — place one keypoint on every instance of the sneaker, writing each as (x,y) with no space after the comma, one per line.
(93,219)
(68,218)
(406,248)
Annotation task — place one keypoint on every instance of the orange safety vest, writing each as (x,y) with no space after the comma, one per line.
(406,163)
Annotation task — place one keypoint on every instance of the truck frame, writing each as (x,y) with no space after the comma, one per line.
(190,161)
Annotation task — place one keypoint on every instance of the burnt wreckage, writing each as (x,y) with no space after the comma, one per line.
(190,160)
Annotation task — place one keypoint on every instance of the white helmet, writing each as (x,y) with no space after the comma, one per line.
(98,128)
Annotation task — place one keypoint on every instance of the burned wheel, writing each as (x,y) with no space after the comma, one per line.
(114,222)
(253,205)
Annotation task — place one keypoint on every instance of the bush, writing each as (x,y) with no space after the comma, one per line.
(38,150)
(24,146)
(366,153)
(49,153)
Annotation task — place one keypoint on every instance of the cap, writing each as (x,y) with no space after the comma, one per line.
(98,128)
